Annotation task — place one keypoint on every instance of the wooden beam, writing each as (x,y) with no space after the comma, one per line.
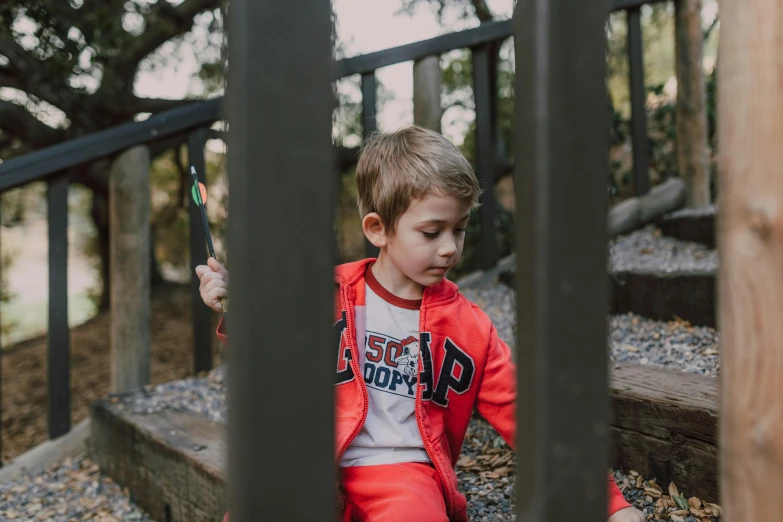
(750,133)
(665,426)
(129,236)
(692,147)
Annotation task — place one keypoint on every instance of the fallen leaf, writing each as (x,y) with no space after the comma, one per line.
(694,502)
(680,501)
(715,508)
(673,491)
(681,513)
(677,518)
(633,473)
(655,493)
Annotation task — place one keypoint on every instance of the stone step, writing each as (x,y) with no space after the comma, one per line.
(171,461)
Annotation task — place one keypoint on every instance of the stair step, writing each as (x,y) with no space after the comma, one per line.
(665,425)
(664,296)
(171,461)
(697,225)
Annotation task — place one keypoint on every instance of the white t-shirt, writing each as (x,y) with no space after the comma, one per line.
(389,363)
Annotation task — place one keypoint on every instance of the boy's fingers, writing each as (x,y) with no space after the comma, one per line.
(212,281)
(217,267)
(201,270)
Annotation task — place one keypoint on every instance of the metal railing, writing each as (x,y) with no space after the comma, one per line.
(192,124)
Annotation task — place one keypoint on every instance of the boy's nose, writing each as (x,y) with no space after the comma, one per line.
(447,248)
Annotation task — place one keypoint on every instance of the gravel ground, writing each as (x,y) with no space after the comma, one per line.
(647,250)
(74,490)
(675,344)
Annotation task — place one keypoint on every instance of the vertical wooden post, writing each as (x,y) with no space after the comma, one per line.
(59,344)
(562,290)
(692,147)
(369,126)
(129,236)
(639,138)
(750,235)
(485,153)
(280,231)
(427,84)
(201,318)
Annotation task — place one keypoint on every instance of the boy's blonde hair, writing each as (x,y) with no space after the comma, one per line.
(413,162)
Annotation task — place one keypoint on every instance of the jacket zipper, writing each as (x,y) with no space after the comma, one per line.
(357,374)
(420,421)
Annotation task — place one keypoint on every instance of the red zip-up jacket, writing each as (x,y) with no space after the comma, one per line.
(462,364)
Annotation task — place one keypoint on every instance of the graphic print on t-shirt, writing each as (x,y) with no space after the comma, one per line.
(391,364)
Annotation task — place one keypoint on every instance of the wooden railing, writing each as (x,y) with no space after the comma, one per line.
(192,124)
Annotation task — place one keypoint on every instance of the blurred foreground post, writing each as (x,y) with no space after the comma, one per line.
(750,133)
(562,290)
(281,449)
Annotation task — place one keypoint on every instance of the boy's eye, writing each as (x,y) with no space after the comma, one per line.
(430,235)
(459,230)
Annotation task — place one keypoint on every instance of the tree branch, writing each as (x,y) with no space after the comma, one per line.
(482,10)
(165,22)
(26,127)
(27,73)
(8,79)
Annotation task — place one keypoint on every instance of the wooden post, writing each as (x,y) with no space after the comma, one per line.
(750,133)
(692,147)
(561,284)
(280,227)
(129,236)
(427,84)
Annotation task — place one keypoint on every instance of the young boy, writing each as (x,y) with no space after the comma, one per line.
(415,356)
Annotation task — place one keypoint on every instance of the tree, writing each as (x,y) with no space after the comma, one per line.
(69,68)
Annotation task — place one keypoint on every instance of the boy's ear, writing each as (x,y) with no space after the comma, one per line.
(374,230)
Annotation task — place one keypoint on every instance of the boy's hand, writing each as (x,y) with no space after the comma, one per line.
(628,514)
(213,283)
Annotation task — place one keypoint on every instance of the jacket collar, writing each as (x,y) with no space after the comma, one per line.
(352,273)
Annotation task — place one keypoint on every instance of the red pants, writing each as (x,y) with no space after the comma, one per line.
(391,493)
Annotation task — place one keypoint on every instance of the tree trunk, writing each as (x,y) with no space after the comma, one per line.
(750,132)
(692,147)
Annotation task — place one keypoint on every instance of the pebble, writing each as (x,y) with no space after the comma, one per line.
(667,344)
(646,250)
(72,490)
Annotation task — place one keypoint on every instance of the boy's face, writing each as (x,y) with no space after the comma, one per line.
(428,238)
